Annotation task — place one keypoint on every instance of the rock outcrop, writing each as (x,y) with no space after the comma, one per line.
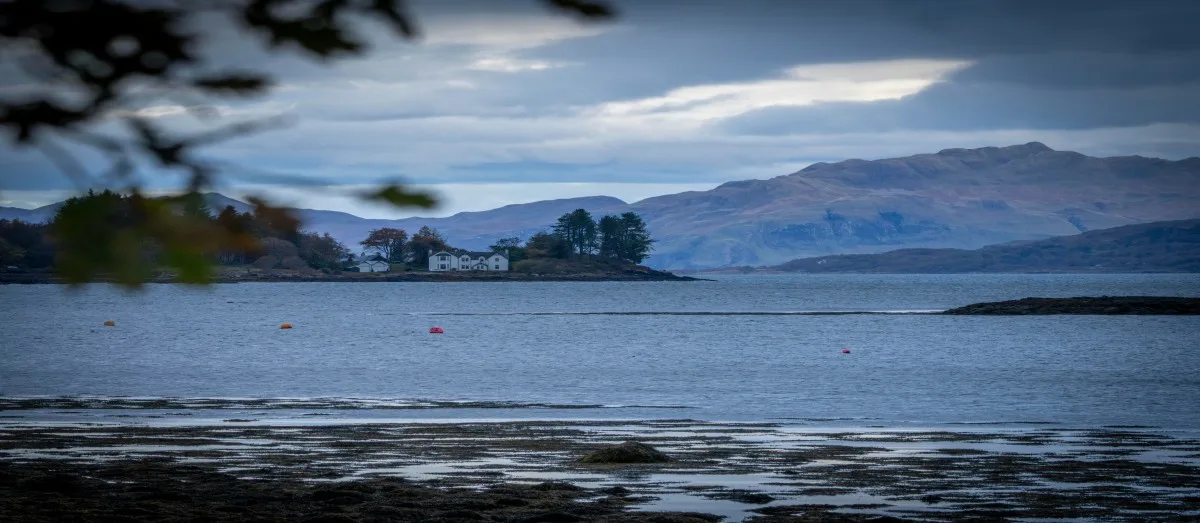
(628,452)
(1135,305)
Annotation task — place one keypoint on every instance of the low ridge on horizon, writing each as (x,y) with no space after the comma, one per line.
(1167,246)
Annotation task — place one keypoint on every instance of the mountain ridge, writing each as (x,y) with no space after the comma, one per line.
(955,198)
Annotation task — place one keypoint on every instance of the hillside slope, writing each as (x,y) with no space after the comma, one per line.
(39,215)
(1172,246)
(959,198)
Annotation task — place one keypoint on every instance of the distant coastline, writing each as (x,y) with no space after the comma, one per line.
(386,277)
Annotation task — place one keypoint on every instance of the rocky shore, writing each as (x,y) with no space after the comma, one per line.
(1143,305)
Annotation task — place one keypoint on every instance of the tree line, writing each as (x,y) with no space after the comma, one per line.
(395,245)
(576,235)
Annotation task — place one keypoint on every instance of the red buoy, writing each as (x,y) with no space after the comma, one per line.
(436,330)
(845,351)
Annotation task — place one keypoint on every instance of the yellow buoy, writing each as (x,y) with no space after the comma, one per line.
(110,323)
(286,326)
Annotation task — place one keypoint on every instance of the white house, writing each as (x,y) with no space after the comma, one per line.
(374,263)
(468,261)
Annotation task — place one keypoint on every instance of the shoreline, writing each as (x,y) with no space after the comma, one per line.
(400,277)
(418,471)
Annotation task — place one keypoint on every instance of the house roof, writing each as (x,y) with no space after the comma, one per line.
(473,254)
(481,254)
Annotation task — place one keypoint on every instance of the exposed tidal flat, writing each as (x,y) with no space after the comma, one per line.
(240,469)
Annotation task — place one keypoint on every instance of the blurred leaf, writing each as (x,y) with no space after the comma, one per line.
(192,266)
(128,264)
(401,197)
(107,235)
(317,33)
(592,10)
(392,12)
(26,118)
(233,83)
(278,219)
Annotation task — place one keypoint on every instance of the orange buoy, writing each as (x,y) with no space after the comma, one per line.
(845,351)
(436,330)
(110,323)
(286,326)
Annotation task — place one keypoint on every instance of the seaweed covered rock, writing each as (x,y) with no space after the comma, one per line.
(628,452)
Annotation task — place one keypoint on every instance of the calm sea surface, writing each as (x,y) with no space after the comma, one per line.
(523,350)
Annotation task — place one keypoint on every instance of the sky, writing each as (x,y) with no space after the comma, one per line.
(502,101)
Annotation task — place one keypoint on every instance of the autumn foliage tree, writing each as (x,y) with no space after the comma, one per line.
(424,243)
(390,243)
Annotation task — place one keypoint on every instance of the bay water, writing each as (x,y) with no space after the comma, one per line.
(742,348)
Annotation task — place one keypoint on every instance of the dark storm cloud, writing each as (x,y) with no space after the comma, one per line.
(1086,70)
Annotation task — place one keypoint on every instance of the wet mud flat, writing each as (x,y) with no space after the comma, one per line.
(239,470)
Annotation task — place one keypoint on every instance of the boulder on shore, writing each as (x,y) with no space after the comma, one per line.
(628,452)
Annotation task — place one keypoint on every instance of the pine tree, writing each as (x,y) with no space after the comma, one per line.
(637,243)
(578,229)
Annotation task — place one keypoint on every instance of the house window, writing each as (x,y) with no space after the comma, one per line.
(497,267)
(442,258)
(443,266)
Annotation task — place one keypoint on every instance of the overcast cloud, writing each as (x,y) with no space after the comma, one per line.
(685,95)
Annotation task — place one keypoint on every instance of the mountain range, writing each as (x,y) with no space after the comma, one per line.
(1152,247)
(955,198)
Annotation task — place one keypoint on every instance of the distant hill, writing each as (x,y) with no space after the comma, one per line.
(468,230)
(956,198)
(1152,247)
(39,215)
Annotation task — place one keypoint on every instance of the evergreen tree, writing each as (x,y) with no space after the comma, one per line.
(612,237)
(578,229)
(636,243)
(624,237)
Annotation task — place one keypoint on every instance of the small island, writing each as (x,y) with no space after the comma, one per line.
(1109,305)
